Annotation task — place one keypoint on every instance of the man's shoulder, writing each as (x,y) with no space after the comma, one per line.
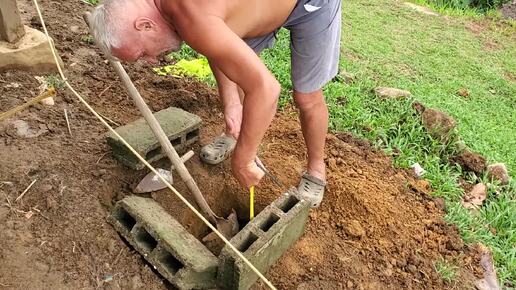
(190,10)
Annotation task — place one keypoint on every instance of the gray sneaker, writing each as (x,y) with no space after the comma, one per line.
(311,189)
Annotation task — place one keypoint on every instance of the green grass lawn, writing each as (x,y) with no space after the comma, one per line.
(385,43)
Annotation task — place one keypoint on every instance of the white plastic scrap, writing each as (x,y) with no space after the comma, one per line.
(418,170)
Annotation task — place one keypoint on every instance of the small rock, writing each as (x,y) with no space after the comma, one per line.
(354,229)
(438,124)
(349,284)
(471,161)
(74,28)
(48,101)
(23,129)
(498,172)
(475,197)
(391,93)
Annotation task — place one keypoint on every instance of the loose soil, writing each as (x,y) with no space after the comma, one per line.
(377,228)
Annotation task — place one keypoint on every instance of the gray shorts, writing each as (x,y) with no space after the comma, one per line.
(314,43)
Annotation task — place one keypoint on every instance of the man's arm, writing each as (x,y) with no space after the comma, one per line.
(210,36)
(231,101)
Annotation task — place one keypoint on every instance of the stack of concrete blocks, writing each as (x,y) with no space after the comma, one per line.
(181,128)
(187,264)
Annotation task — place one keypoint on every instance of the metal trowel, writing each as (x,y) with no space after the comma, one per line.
(151,182)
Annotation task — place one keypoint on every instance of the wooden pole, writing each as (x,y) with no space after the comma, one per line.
(11,27)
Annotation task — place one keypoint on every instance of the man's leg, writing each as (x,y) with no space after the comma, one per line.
(314,123)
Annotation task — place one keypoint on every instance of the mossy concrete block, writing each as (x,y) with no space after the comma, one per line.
(177,255)
(181,128)
(263,240)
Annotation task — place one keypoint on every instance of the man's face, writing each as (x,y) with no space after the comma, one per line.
(147,40)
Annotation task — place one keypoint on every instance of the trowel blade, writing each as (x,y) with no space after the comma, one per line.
(151,182)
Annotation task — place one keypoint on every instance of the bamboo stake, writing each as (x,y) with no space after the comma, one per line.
(50,93)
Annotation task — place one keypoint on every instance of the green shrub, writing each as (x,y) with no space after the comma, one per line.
(462,4)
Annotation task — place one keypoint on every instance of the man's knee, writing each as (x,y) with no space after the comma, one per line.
(309,100)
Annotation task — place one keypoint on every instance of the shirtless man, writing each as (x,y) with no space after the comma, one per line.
(231,34)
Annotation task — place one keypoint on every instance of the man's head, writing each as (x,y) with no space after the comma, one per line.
(132,29)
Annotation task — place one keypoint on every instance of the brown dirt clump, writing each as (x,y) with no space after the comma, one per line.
(376,229)
(471,161)
(438,124)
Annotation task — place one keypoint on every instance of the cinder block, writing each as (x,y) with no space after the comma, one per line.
(177,255)
(181,128)
(263,240)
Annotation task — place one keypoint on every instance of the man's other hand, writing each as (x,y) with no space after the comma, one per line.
(247,173)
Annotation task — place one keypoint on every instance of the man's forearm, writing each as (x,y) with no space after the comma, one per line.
(228,90)
(258,112)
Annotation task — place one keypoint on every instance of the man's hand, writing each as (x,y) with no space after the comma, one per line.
(233,118)
(246,172)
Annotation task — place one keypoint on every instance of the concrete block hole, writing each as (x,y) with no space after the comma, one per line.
(151,154)
(124,218)
(192,135)
(169,262)
(247,242)
(269,222)
(289,203)
(144,239)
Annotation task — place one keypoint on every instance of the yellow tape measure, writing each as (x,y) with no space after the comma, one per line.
(251,202)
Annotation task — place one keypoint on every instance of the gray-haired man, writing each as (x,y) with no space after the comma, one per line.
(230,33)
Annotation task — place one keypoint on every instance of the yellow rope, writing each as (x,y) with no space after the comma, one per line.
(188,204)
(49,93)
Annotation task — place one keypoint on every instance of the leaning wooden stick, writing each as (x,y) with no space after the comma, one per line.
(49,93)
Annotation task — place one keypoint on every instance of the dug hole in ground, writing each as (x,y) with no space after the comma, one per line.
(377,228)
